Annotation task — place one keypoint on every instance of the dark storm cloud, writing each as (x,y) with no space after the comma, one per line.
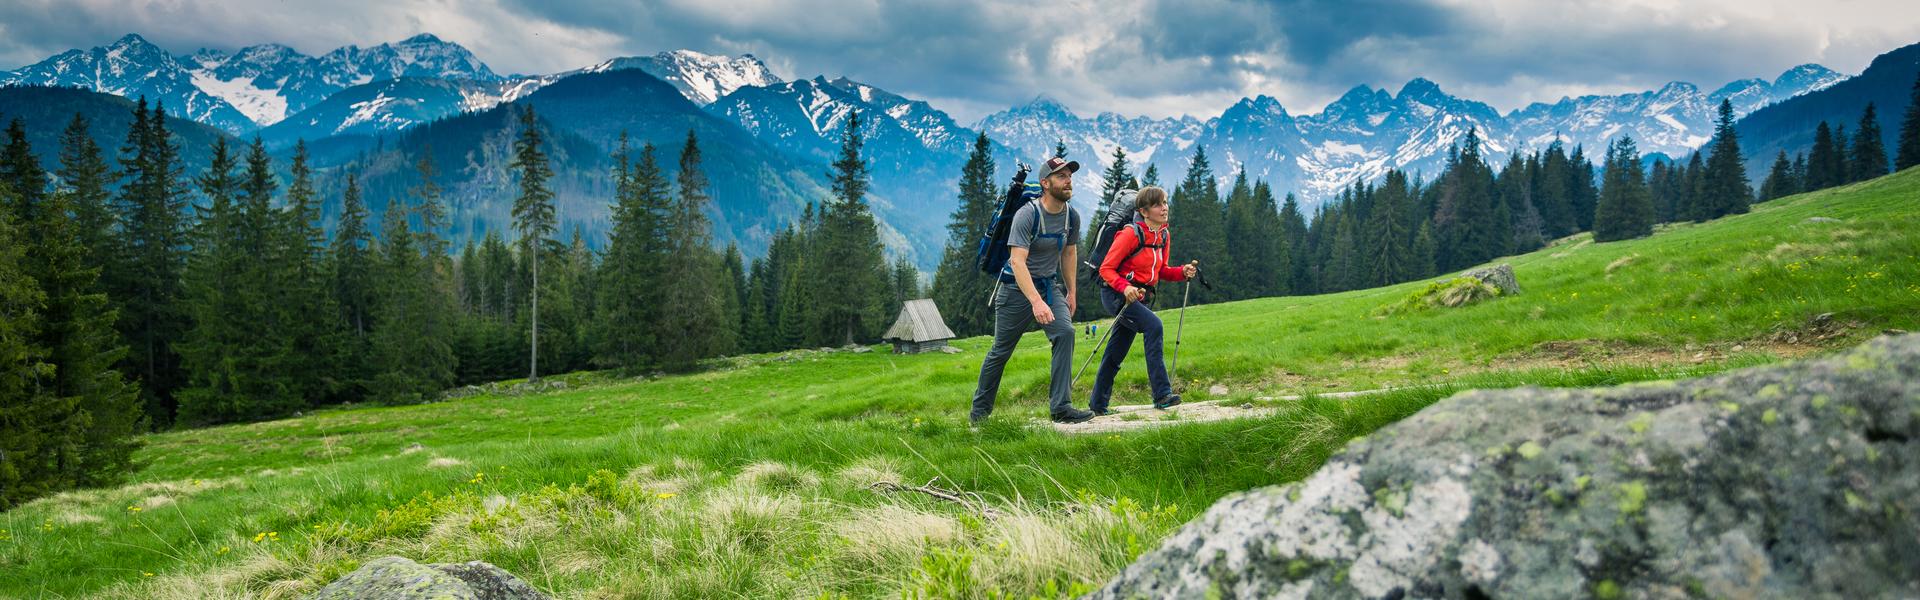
(1156,57)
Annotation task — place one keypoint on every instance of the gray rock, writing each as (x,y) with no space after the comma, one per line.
(396,578)
(1499,276)
(1788,481)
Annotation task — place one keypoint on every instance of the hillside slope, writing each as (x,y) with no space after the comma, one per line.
(793,475)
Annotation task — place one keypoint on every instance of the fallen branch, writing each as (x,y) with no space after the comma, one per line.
(973,503)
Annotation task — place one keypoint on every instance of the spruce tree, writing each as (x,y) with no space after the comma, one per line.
(1060,149)
(533,216)
(1384,252)
(959,288)
(1467,225)
(1151,177)
(1293,232)
(31,433)
(354,292)
(694,321)
(299,258)
(1241,264)
(1825,166)
(146,285)
(1626,208)
(412,333)
(1869,152)
(847,261)
(1201,231)
(1908,148)
(1581,193)
(629,302)
(1693,184)
(72,330)
(1725,190)
(1554,195)
(1423,252)
(1779,181)
(85,177)
(83,345)
(214,351)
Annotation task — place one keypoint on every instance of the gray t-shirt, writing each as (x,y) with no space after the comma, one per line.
(1055,232)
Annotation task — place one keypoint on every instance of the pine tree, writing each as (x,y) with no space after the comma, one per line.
(1779,182)
(959,289)
(1869,152)
(1515,188)
(1661,189)
(533,216)
(1151,177)
(1626,208)
(1201,234)
(848,255)
(1908,148)
(1725,191)
(694,320)
(905,283)
(1060,149)
(734,268)
(1274,262)
(1693,182)
(146,285)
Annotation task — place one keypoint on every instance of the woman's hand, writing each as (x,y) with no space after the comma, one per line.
(1187,271)
(1134,294)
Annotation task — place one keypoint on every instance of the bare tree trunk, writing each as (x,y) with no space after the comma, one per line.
(533,360)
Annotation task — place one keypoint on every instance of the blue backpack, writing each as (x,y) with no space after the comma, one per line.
(991,255)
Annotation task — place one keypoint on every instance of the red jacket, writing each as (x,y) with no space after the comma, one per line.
(1146,268)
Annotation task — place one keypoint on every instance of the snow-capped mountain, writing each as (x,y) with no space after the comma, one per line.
(132,67)
(253,87)
(271,82)
(914,150)
(1367,131)
(393,104)
(1033,129)
(702,78)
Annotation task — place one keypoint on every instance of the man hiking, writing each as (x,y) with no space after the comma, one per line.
(1134,264)
(1037,286)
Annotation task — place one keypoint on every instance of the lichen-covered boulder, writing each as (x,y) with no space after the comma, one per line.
(396,578)
(1789,481)
(1499,276)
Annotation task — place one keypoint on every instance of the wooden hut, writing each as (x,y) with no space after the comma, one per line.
(919,328)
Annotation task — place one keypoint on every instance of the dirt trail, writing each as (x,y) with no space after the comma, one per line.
(1135,417)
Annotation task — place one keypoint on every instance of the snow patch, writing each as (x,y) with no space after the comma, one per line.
(1671,122)
(264,107)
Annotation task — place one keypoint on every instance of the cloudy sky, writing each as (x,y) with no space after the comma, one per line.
(1134,57)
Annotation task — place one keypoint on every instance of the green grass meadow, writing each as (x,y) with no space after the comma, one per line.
(757,478)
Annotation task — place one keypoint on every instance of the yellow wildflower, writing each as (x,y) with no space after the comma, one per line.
(665,495)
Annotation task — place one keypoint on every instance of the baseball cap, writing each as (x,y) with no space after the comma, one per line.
(1056,163)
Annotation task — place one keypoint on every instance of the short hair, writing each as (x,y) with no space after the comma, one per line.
(1149,197)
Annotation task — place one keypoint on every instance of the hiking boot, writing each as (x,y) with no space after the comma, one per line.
(1073,415)
(1170,401)
(1101,412)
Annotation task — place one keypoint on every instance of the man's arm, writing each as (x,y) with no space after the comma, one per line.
(1069,266)
(1017,258)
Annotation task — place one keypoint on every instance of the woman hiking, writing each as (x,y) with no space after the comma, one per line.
(1135,263)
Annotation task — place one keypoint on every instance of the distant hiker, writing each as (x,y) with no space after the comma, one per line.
(1133,265)
(1037,286)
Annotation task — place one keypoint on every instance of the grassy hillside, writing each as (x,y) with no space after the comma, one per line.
(758,478)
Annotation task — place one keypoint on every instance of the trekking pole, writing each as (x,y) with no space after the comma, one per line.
(1186,291)
(1096,349)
